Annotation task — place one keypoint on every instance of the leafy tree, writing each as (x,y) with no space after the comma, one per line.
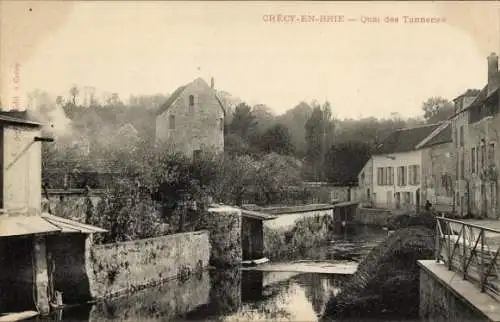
(370,129)
(274,174)
(319,134)
(236,178)
(276,139)
(147,101)
(114,100)
(437,109)
(295,120)
(264,118)
(229,102)
(236,145)
(243,123)
(345,160)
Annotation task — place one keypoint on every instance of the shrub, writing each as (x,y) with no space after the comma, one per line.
(306,233)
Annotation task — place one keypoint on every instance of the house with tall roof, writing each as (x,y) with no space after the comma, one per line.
(192,120)
(476,127)
(394,177)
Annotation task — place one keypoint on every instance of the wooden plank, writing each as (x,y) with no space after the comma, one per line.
(18,316)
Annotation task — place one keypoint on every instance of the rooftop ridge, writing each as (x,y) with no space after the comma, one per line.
(418,126)
(433,134)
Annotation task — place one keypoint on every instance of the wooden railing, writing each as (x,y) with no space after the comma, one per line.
(472,251)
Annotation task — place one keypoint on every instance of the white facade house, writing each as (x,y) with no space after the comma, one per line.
(393,177)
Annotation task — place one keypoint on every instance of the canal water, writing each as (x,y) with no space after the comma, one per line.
(241,294)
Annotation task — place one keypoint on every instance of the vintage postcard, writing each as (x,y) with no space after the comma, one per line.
(249,161)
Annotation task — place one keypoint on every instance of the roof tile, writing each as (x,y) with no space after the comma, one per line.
(404,140)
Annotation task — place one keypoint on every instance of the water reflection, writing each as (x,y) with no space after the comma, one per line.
(242,295)
(274,296)
(220,295)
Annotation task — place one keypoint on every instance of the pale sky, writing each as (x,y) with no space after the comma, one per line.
(363,69)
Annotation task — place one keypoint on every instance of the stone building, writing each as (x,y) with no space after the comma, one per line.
(475,136)
(192,120)
(438,171)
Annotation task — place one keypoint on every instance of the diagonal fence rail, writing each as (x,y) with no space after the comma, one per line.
(471,250)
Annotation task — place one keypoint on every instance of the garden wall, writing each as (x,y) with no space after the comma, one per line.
(123,267)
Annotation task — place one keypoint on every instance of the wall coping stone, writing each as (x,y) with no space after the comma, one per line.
(297,209)
(223,209)
(151,239)
(463,289)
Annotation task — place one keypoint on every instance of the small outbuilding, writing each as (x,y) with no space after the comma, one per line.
(41,256)
(252,233)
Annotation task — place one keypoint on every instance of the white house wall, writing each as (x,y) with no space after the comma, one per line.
(384,195)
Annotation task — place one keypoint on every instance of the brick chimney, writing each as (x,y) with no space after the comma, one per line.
(492,66)
(212,83)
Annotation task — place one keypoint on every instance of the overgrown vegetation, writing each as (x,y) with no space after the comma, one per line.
(306,234)
(152,191)
(386,283)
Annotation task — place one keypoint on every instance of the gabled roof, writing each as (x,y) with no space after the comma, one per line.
(172,98)
(405,140)
(441,135)
(488,91)
(480,98)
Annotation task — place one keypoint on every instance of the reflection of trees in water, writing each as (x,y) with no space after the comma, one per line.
(319,288)
(270,303)
(251,286)
(225,293)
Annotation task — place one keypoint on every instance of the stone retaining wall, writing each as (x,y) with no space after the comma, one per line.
(437,303)
(224,226)
(123,267)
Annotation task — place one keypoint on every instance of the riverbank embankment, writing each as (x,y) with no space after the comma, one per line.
(386,283)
